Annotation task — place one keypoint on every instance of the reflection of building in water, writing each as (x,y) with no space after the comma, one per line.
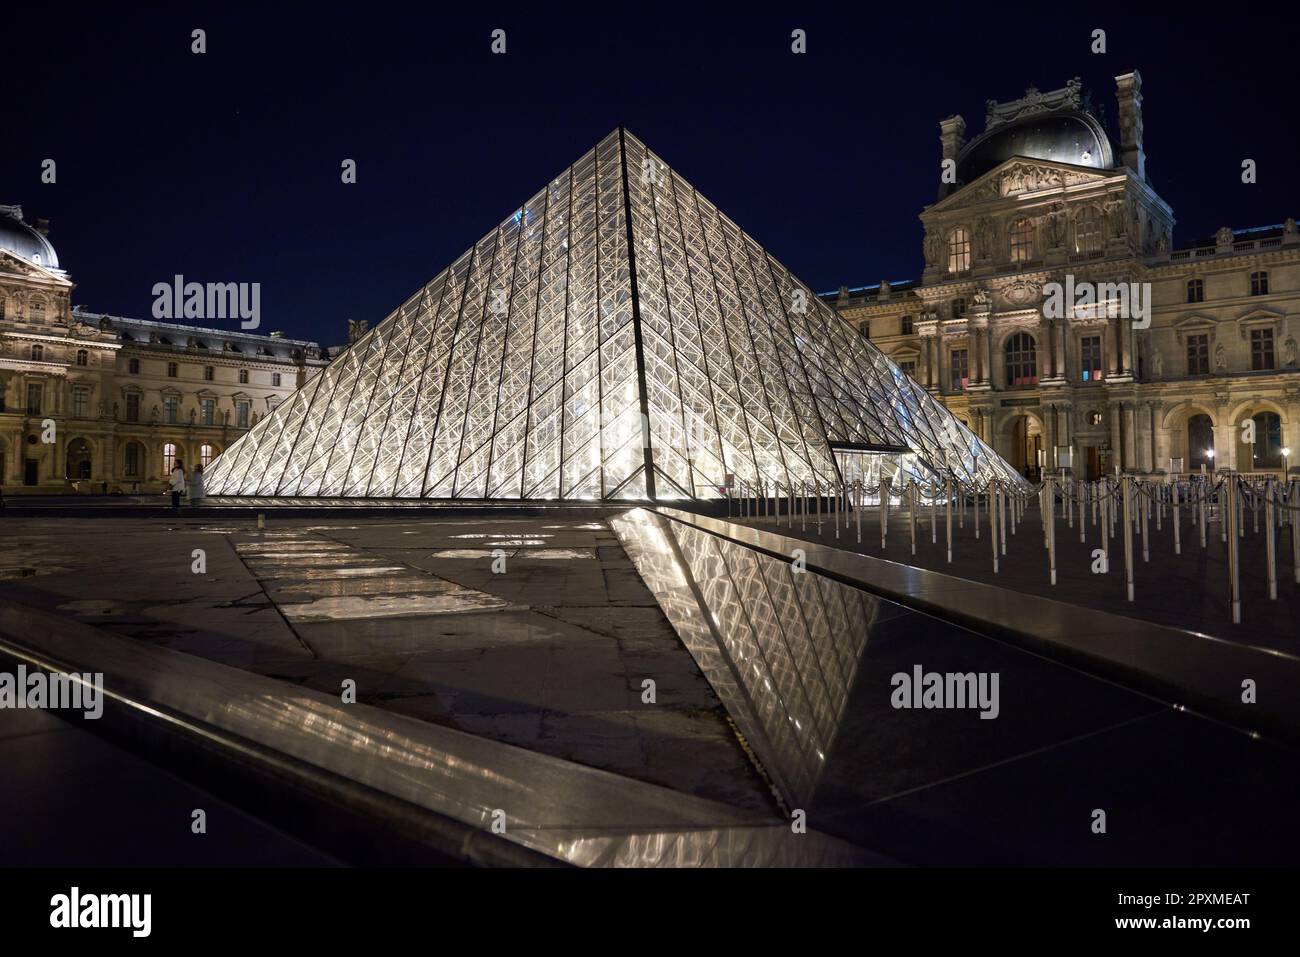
(1045,193)
(781,648)
(127,396)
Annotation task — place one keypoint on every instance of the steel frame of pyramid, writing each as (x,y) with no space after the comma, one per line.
(616,337)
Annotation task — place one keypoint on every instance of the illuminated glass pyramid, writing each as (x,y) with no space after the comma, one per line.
(615,338)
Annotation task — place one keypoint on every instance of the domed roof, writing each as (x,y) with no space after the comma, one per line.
(25,241)
(1063,136)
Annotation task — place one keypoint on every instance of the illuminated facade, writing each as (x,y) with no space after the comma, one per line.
(617,337)
(127,397)
(1043,195)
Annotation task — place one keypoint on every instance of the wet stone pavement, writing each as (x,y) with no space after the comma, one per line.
(548,654)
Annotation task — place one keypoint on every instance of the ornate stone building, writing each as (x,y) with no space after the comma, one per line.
(125,397)
(1041,197)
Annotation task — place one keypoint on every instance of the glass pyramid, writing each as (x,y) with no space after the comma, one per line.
(617,337)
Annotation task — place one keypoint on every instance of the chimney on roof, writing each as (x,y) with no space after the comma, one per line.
(1128,91)
(952,135)
(43,227)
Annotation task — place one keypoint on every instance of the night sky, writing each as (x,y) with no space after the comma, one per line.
(225,167)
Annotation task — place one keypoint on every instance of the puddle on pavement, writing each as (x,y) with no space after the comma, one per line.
(458,601)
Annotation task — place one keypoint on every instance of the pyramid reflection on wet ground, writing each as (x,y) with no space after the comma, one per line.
(617,337)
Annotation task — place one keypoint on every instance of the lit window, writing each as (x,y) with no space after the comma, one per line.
(1022,359)
(1087,231)
(960,364)
(205,455)
(169,458)
(958,250)
(1022,241)
(1090,358)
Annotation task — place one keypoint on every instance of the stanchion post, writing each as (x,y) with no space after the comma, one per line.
(1128,536)
(1230,522)
(947,504)
(1270,543)
(1051,527)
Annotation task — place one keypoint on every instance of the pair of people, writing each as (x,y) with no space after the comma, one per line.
(177,485)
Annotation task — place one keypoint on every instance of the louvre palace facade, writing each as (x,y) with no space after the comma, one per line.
(127,397)
(1043,195)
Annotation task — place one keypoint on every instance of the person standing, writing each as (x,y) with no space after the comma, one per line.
(196,486)
(177,485)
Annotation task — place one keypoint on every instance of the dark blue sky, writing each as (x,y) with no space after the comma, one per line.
(225,167)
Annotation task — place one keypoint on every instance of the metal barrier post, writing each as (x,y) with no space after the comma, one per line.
(1128,537)
(1051,527)
(1230,522)
(947,504)
(1270,539)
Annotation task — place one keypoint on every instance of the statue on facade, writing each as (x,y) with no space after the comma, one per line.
(984,238)
(191,416)
(1289,352)
(1157,362)
(1224,236)
(1056,226)
(933,248)
(981,297)
(1288,226)
(1220,357)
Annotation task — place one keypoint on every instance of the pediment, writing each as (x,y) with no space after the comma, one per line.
(1021,176)
(11,264)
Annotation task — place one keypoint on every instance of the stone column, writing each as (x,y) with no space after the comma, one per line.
(1049,434)
(1126,346)
(977,355)
(1116,436)
(988,356)
(1151,413)
(1116,353)
(1061,371)
(1130,437)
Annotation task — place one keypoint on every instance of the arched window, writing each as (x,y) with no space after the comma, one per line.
(205,455)
(169,458)
(1022,241)
(38,353)
(1022,359)
(1200,442)
(1267,452)
(958,250)
(1087,231)
(132,459)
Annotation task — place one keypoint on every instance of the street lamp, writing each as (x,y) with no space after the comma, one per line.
(1286,454)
